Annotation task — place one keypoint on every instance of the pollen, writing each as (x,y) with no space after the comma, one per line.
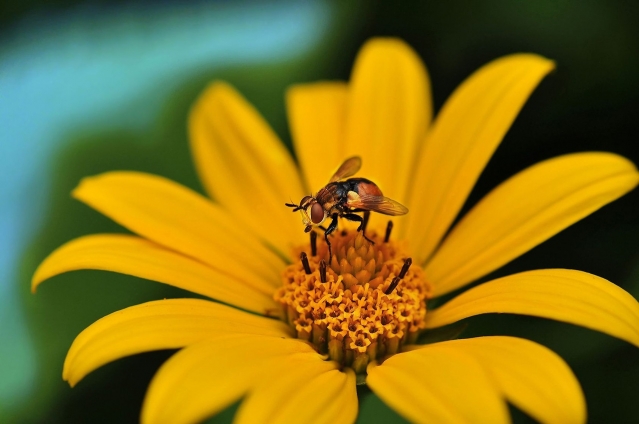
(365,305)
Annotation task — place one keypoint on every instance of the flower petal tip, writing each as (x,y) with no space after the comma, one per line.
(530,61)
(85,184)
(213,92)
(386,43)
(35,282)
(40,275)
(67,377)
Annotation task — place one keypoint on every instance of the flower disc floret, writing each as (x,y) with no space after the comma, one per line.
(367,307)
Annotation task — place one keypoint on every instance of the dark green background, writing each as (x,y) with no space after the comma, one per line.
(591,102)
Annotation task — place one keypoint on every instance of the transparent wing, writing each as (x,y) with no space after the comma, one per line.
(347,169)
(378,204)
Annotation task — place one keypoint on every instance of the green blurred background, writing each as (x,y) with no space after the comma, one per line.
(92,86)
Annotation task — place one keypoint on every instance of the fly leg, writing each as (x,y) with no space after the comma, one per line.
(362,223)
(329,230)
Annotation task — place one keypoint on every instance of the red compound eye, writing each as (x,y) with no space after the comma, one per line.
(317,213)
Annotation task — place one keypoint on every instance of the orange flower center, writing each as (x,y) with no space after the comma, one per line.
(365,305)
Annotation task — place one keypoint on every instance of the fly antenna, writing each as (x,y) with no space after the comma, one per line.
(295,207)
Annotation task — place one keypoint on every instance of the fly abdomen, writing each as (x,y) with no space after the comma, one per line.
(363,186)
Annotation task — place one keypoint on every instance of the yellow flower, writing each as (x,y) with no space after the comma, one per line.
(243,250)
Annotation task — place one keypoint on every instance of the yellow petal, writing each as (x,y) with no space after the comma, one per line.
(310,392)
(203,379)
(162,324)
(438,385)
(565,295)
(464,136)
(531,376)
(244,165)
(526,210)
(135,256)
(316,113)
(389,109)
(182,220)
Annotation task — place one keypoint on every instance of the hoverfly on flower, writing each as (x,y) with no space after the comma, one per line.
(359,318)
(344,198)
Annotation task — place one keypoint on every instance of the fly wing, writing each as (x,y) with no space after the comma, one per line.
(378,204)
(347,169)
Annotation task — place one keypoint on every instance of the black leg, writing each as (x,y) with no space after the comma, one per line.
(327,232)
(367,216)
(362,223)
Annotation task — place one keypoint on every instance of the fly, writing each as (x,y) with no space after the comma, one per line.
(345,197)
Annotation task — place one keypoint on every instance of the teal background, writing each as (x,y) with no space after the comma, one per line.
(87,87)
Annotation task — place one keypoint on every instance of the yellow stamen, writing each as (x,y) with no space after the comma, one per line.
(364,305)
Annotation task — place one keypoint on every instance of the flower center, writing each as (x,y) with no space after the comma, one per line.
(365,305)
